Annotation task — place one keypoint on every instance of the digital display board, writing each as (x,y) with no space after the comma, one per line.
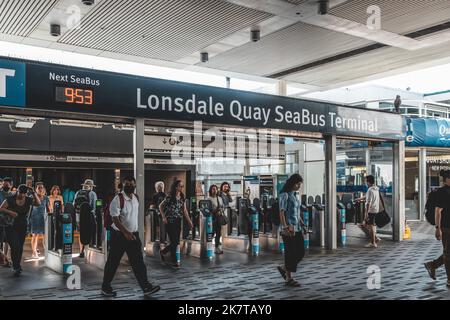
(72,95)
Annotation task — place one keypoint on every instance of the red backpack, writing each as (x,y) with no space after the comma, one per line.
(107,219)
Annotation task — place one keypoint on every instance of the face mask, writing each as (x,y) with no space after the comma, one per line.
(128,189)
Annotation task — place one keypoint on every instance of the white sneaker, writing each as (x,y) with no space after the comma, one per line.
(370,245)
(378,240)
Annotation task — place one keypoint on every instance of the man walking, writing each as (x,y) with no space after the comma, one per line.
(372,208)
(124,210)
(442,219)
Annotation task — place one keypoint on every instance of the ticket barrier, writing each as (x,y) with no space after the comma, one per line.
(317,220)
(97,251)
(59,239)
(341,230)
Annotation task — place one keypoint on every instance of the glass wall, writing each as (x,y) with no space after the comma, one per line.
(355,161)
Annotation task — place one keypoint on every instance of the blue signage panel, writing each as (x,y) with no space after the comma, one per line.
(12,83)
(428,132)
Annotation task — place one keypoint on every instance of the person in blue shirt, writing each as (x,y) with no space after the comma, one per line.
(293,227)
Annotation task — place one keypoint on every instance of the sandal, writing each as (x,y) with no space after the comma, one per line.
(292,283)
(282,272)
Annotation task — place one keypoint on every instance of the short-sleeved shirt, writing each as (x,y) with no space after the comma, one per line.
(443,202)
(129,215)
(373,199)
(173,210)
(290,203)
(216,202)
(22,211)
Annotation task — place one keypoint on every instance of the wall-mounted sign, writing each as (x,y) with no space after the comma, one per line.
(60,88)
(428,132)
(12,83)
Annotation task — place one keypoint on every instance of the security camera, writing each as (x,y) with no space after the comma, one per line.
(55,30)
(204,57)
(88,2)
(324,6)
(255,35)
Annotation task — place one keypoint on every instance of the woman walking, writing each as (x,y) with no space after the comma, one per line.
(37,219)
(293,226)
(18,206)
(172,210)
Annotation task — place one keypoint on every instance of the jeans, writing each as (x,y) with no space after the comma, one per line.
(294,251)
(15,236)
(173,230)
(118,246)
(444,259)
(217,227)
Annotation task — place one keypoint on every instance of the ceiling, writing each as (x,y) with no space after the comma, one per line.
(317,51)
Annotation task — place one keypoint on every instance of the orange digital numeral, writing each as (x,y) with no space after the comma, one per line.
(69,95)
(88,97)
(79,96)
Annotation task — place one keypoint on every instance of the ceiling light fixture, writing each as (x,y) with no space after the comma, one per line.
(24,124)
(80,124)
(88,2)
(204,57)
(255,34)
(55,30)
(324,6)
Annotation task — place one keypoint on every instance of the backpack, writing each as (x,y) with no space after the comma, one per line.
(107,219)
(430,206)
(82,197)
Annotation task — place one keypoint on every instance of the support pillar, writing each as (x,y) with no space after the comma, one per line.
(398,191)
(330,203)
(139,170)
(422,182)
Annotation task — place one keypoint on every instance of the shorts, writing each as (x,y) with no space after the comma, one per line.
(371,219)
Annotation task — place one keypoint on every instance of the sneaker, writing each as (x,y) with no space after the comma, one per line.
(431,270)
(109,292)
(378,240)
(35,256)
(371,245)
(218,251)
(17,273)
(150,289)
(81,255)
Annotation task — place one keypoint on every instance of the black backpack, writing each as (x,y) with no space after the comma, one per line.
(82,197)
(430,206)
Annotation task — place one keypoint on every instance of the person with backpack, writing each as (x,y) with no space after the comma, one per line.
(372,208)
(441,202)
(172,209)
(18,206)
(83,196)
(124,210)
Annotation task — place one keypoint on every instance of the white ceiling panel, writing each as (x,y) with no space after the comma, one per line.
(162,29)
(295,45)
(398,16)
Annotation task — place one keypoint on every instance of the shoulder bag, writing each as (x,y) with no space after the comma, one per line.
(382,218)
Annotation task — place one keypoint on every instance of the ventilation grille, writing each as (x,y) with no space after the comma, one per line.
(21,18)
(161,29)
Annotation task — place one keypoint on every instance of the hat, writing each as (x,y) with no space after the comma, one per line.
(89,182)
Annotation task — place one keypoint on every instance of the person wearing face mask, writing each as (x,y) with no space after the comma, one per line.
(124,210)
(293,228)
(5,192)
(18,206)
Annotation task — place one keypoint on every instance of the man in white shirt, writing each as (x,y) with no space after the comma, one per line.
(124,210)
(372,208)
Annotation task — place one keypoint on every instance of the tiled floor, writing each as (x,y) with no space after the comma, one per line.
(324,275)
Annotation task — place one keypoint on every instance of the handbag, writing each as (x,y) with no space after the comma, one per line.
(222,219)
(6,220)
(382,218)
